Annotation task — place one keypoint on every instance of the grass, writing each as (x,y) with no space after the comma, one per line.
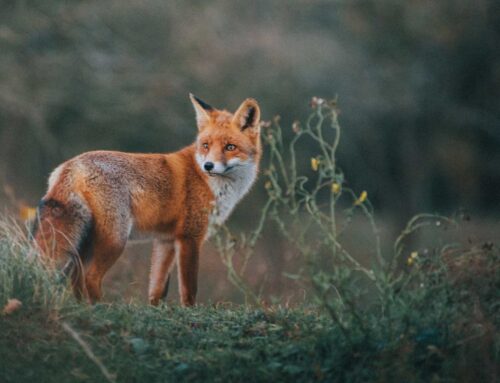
(426,314)
(138,344)
(53,338)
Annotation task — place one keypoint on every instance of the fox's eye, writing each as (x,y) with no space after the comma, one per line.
(230,147)
(205,146)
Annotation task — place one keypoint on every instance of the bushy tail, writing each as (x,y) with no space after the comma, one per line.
(62,232)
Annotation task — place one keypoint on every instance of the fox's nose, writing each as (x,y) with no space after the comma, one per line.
(208,166)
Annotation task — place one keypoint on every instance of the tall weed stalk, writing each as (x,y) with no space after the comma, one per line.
(314,207)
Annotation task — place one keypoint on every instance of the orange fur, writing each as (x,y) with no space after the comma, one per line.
(95,199)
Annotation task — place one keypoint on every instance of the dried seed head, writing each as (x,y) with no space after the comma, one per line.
(265,124)
(11,306)
(316,101)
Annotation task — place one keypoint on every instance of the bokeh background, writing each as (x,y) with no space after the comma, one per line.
(418,84)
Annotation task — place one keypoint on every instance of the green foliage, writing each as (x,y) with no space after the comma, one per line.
(416,301)
(52,338)
(423,314)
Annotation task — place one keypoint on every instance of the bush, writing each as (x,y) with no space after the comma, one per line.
(419,313)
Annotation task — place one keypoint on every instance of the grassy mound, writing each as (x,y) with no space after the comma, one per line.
(53,338)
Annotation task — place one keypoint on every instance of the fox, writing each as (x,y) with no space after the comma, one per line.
(95,200)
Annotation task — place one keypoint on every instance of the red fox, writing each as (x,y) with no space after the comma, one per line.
(95,199)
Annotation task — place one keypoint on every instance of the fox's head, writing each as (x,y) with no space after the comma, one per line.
(227,142)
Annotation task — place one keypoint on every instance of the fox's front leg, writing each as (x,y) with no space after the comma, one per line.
(188,253)
(162,262)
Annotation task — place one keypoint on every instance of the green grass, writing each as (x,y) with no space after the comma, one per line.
(419,313)
(53,338)
(139,343)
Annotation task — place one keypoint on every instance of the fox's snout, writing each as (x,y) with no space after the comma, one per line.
(215,167)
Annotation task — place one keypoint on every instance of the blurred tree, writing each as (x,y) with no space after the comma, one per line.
(418,85)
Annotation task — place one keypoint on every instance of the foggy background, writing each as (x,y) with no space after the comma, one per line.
(418,84)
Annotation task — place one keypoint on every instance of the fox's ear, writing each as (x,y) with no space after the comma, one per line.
(247,117)
(202,110)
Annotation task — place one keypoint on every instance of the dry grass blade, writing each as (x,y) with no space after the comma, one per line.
(88,351)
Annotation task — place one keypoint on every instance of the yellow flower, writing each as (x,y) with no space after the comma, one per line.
(268,185)
(412,258)
(314,164)
(27,213)
(362,198)
(335,188)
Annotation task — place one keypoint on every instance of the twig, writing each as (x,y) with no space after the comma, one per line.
(86,348)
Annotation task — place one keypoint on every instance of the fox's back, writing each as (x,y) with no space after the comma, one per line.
(151,188)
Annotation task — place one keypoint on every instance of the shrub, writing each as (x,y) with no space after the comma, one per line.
(423,310)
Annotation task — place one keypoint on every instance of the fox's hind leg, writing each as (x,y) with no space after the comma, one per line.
(104,255)
(62,233)
(162,262)
(107,248)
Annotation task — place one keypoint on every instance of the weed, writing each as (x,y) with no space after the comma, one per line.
(410,308)
(410,314)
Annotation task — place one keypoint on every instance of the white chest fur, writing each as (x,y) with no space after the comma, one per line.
(228,191)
